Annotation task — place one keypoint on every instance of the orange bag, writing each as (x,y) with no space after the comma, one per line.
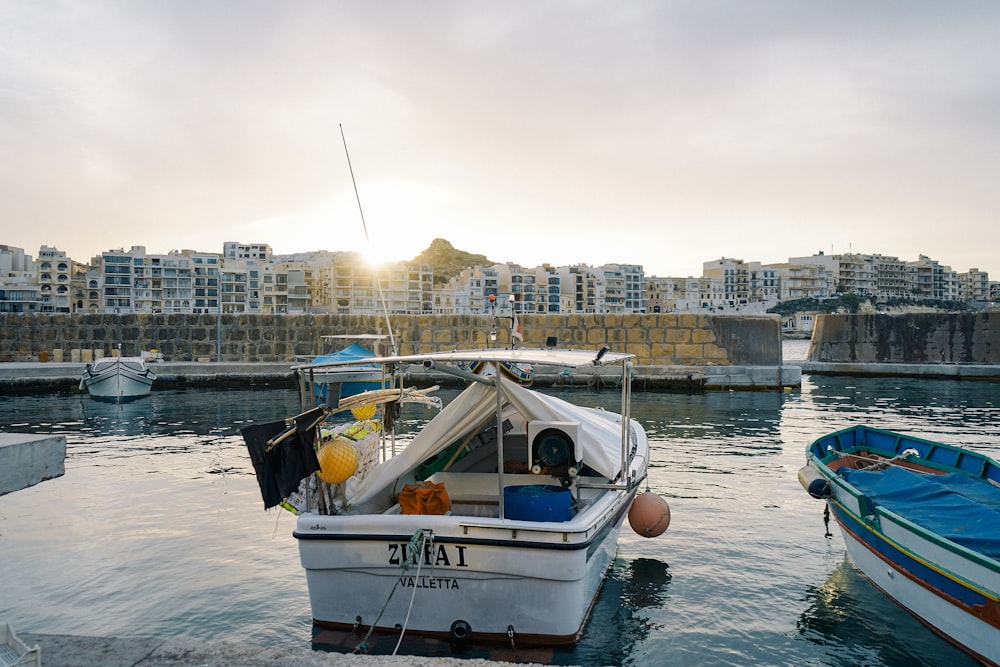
(424,498)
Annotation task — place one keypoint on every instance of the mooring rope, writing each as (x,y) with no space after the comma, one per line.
(414,557)
(425,535)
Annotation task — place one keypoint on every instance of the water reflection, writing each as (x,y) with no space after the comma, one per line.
(860,625)
(626,612)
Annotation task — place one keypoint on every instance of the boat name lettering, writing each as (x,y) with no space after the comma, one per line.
(317,527)
(434,554)
(429,582)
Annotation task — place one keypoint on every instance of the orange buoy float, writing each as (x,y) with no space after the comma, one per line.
(338,460)
(649,515)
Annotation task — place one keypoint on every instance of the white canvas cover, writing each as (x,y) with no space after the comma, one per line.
(600,433)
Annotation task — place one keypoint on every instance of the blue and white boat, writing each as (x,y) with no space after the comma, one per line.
(921,521)
(327,377)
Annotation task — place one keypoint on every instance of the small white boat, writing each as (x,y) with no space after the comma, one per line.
(328,383)
(496,523)
(117,379)
(921,521)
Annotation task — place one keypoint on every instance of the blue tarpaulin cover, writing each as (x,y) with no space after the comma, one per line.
(349,353)
(960,508)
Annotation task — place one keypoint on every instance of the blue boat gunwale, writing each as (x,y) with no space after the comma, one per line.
(936,455)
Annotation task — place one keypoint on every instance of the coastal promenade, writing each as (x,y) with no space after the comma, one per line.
(28,377)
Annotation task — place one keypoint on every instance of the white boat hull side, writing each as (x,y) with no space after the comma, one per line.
(938,613)
(544,590)
(113,386)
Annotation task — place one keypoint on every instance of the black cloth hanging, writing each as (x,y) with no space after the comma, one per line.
(280,470)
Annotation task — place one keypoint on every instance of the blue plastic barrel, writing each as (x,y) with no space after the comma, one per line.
(537,502)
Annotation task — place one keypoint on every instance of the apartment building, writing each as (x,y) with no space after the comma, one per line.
(55,274)
(19,289)
(249,278)
(927,278)
(260,253)
(578,286)
(735,277)
(856,274)
(974,285)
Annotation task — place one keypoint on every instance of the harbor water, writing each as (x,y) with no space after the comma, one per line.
(157,528)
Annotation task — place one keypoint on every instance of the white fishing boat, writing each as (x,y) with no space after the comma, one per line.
(117,379)
(920,521)
(497,522)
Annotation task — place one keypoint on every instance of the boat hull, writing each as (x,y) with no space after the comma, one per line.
(118,381)
(477,579)
(951,588)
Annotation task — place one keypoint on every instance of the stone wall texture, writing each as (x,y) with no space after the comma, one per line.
(917,338)
(657,339)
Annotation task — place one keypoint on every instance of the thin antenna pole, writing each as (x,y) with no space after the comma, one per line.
(378,283)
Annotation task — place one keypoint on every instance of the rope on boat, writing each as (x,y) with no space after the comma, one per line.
(418,539)
(425,535)
(378,396)
(876,463)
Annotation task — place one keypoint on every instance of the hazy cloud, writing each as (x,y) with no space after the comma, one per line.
(661,133)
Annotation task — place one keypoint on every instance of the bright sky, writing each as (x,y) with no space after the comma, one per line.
(663,133)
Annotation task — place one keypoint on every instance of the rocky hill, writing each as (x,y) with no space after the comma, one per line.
(447,261)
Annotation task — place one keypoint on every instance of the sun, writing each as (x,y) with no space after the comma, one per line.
(377,255)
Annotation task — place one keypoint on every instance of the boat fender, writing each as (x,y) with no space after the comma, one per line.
(814,482)
(461,630)
(649,515)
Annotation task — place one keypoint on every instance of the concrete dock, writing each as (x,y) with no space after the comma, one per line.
(26,460)
(27,377)
(876,369)
(71,651)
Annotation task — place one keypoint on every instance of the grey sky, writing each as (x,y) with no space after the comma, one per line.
(660,133)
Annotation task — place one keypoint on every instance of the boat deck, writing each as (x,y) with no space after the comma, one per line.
(956,506)
(476,494)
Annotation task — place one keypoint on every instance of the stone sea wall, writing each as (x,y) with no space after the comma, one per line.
(656,340)
(914,338)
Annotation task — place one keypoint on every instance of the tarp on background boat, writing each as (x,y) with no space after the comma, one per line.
(955,506)
(600,433)
(352,352)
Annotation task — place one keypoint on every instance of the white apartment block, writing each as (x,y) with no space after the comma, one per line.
(253,252)
(55,278)
(133,281)
(248,278)
(577,289)
(19,288)
(735,277)
(974,285)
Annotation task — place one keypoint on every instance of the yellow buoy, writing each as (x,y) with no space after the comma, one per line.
(649,515)
(364,413)
(338,460)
